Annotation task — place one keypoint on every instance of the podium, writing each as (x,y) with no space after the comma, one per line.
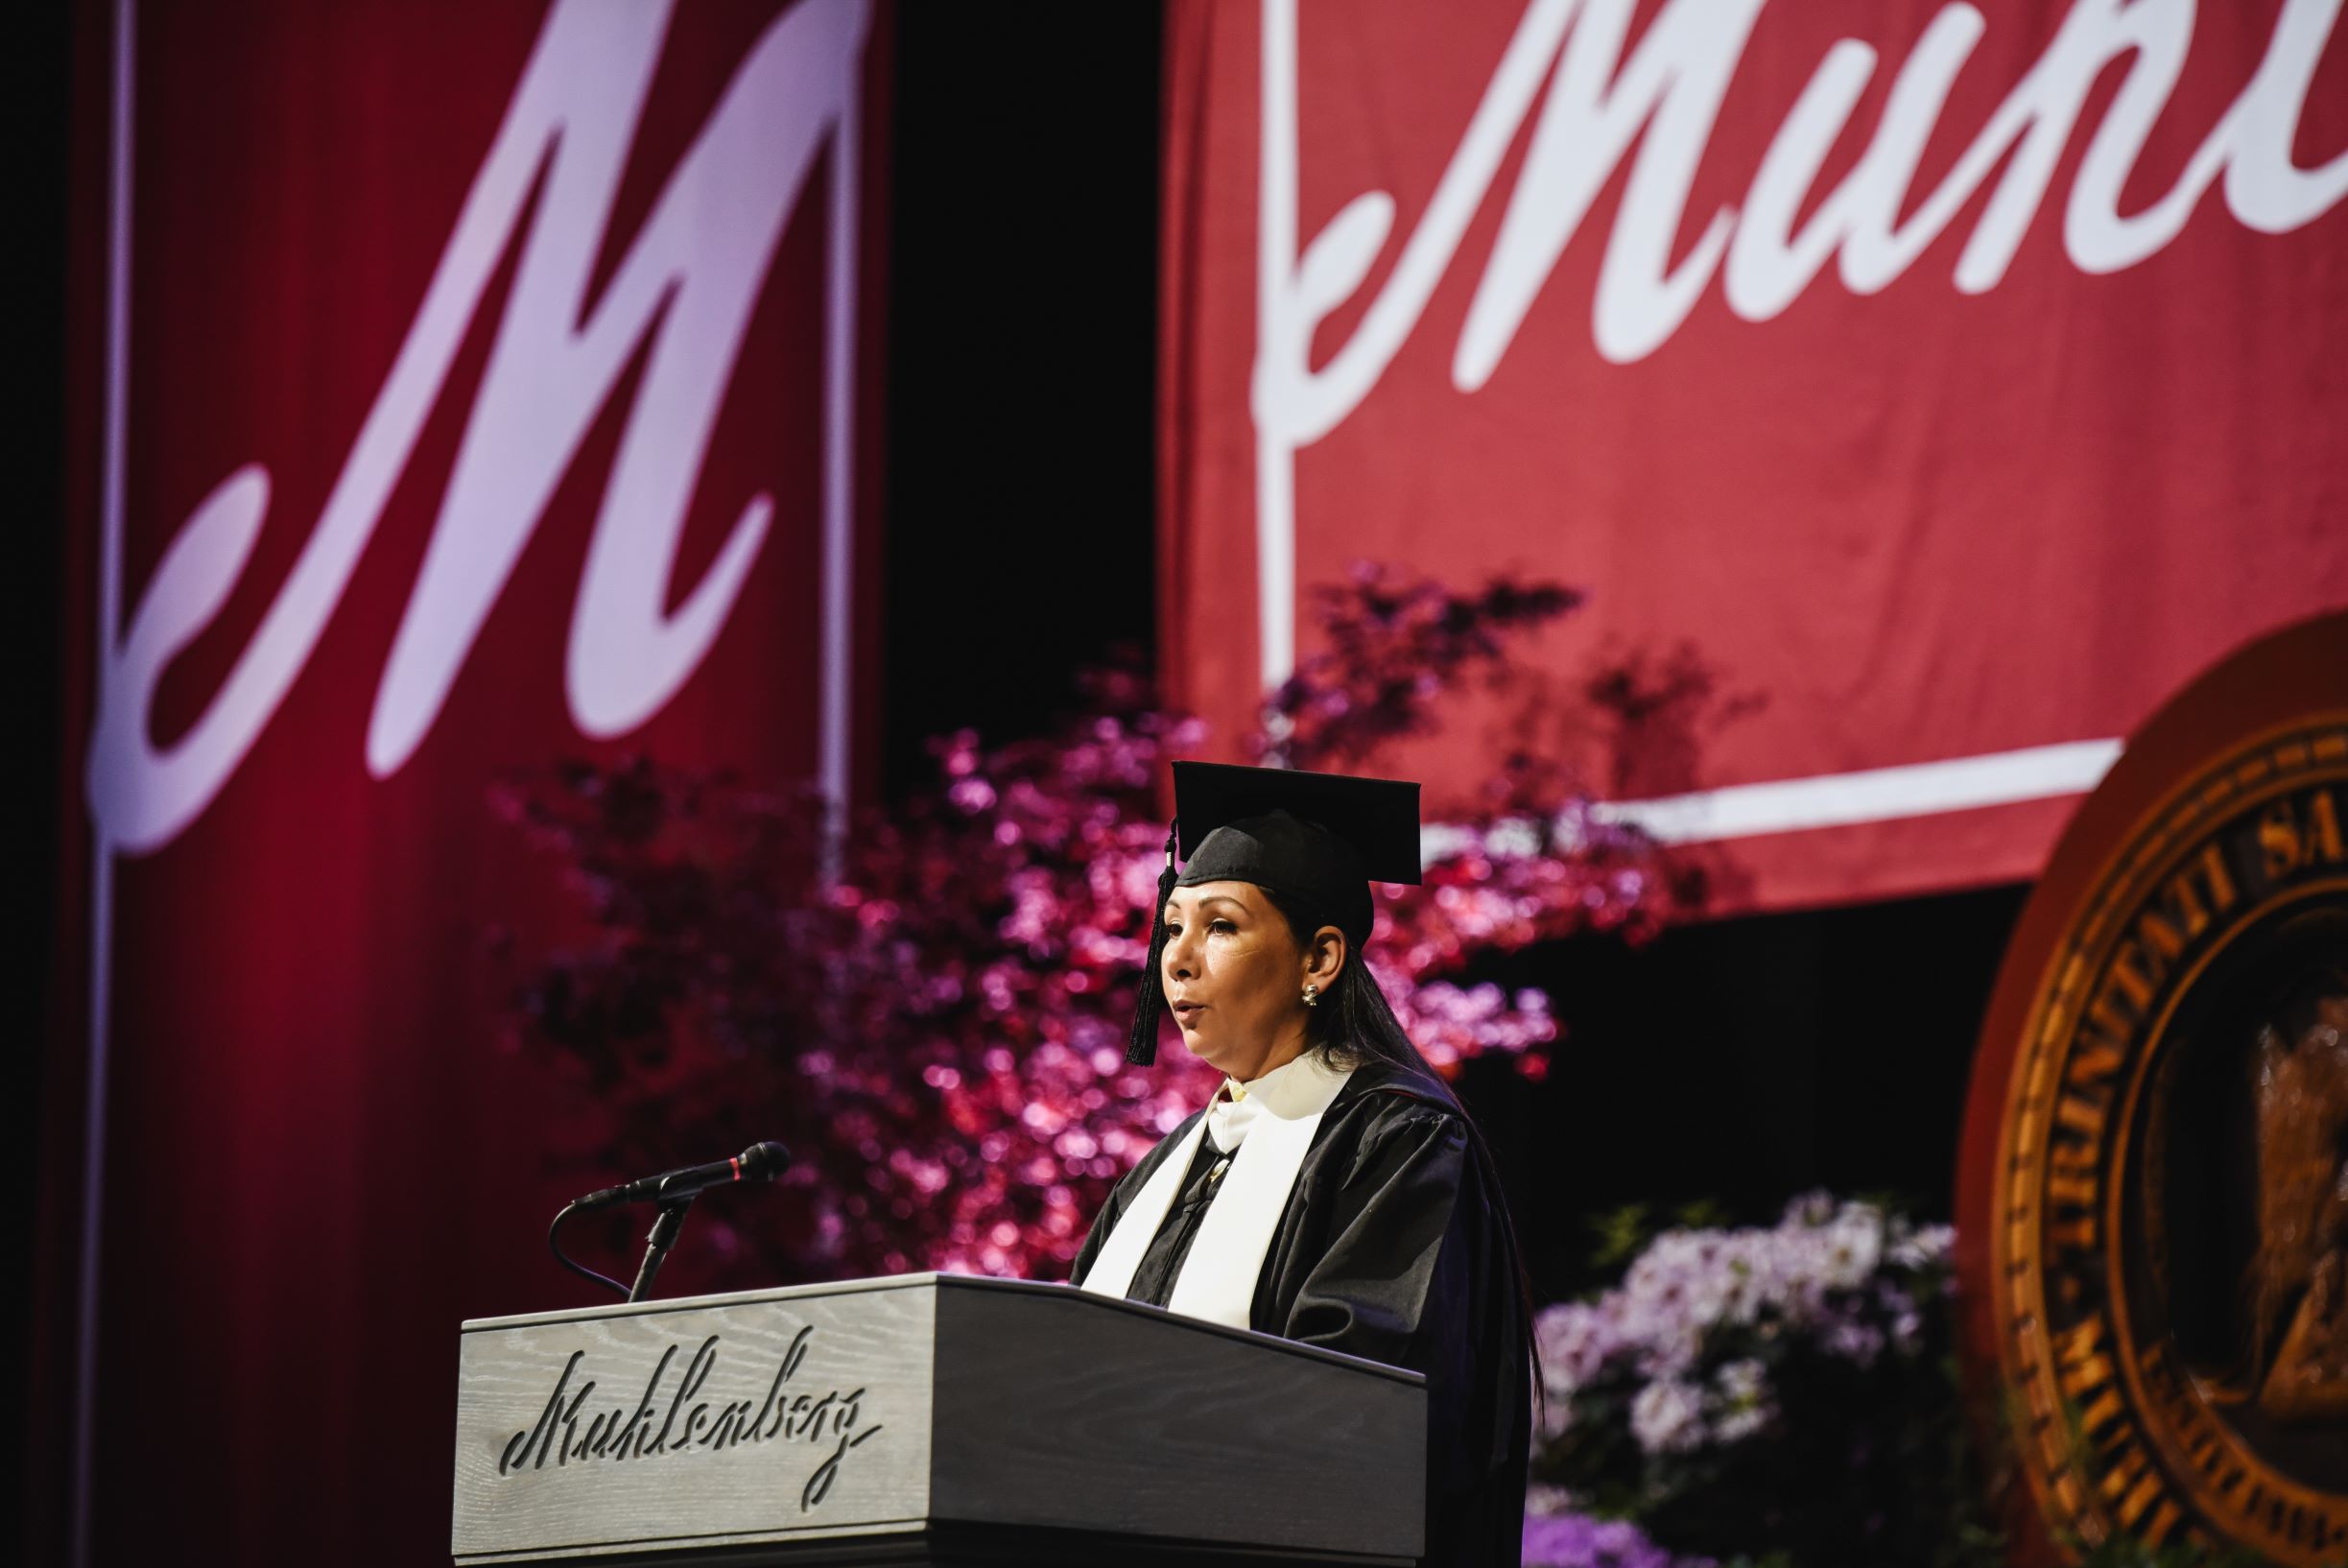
(925,1420)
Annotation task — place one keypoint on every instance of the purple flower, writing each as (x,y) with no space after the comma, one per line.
(1740,1398)
(1574,1540)
(1927,1247)
(1668,1418)
(1575,1341)
(1855,1342)
(1854,1245)
(1843,1277)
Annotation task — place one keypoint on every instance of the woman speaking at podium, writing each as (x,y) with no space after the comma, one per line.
(1334,1192)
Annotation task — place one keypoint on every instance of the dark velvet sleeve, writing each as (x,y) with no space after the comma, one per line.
(1417,1274)
(1369,1293)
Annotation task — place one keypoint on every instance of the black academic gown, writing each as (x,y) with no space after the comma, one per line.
(1392,1248)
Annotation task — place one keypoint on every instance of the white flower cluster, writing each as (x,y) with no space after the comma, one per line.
(1839,1272)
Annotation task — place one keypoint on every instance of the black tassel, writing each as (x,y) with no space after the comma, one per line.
(1141,1049)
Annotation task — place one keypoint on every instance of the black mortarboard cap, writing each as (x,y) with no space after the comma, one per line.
(1316,839)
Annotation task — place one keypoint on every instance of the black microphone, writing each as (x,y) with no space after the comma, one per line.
(760,1162)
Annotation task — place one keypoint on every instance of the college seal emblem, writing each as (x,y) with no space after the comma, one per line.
(2159,1128)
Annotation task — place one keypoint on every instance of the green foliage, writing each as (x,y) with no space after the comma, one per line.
(1624,1233)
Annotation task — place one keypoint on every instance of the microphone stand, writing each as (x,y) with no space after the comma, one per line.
(665,1225)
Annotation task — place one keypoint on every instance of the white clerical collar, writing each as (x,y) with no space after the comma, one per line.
(1301,1087)
(1218,1278)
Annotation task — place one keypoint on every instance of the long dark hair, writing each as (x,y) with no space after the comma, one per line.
(1354,1024)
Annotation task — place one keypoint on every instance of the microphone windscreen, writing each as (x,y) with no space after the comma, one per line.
(764,1161)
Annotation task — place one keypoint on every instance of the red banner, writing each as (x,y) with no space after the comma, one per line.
(458,388)
(1936,386)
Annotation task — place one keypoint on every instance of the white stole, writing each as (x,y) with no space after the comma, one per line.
(1218,1275)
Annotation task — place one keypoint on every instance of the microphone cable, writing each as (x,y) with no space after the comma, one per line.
(553,1241)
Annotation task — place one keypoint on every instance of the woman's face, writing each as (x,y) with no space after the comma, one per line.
(1235,977)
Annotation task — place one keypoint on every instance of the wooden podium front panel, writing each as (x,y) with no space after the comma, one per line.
(720,1422)
(1066,1412)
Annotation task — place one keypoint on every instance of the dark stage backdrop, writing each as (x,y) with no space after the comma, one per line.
(454,389)
(1953,382)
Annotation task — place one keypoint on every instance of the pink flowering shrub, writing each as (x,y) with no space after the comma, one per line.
(936,1020)
(1783,1390)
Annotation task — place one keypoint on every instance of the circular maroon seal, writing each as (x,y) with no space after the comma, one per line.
(2155,1195)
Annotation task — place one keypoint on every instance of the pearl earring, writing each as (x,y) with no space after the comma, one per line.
(1312,994)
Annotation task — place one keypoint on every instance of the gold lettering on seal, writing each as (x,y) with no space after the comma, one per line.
(2127,1432)
(2295,836)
